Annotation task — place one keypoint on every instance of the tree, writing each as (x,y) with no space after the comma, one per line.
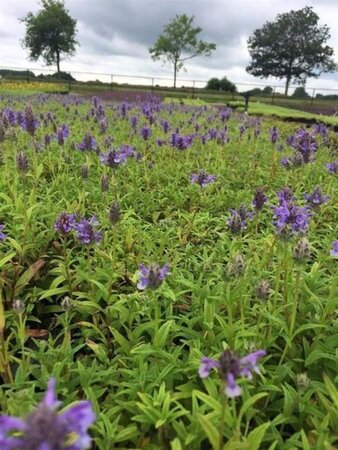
(178,43)
(268,90)
(221,85)
(50,33)
(226,85)
(213,84)
(300,92)
(292,47)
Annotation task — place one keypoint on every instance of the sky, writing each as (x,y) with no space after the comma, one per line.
(115,37)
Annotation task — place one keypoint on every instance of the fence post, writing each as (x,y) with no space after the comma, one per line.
(152,85)
(313,96)
(273,95)
(193,89)
(111,81)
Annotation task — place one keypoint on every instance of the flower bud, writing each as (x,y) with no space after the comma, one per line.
(18,306)
(263,290)
(302,249)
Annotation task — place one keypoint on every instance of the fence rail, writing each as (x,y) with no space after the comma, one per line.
(267,93)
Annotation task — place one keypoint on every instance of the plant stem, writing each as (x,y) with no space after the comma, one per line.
(222,419)
(295,301)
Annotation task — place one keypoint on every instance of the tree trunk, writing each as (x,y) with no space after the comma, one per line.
(58,61)
(288,79)
(175,72)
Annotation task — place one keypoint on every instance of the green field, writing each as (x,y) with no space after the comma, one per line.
(174,264)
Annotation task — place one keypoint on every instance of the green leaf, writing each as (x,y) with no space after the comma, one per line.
(209,429)
(248,404)
(255,437)
(162,335)
(28,275)
(333,391)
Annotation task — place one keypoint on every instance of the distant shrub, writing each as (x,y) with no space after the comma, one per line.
(300,92)
(224,84)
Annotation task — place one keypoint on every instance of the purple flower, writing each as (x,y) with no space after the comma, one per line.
(285,162)
(285,195)
(47,429)
(86,232)
(160,142)
(29,123)
(231,367)
(113,158)
(274,134)
(202,178)
(165,125)
(88,144)
(65,223)
(316,198)
(2,235)
(320,128)
(134,122)
(207,364)
(305,143)
(259,199)
(61,134)
(332,167)
(334,249)
(290,140)
(103,125)
(152,276)
(145,132)
(238,219)
(291,219)
(181,142)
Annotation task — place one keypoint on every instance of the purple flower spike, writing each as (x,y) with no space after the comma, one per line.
(332,167)
(88,144)
(2,235)
(113,158)
(231,367)
(46,429)
(202,178)
(152,276)
(259,199)
(86,232)
(65,223)
(334,249)
(316,198)
(274,134)
(145,132)
(291,219)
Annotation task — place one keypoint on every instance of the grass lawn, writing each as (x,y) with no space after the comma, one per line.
(284,113)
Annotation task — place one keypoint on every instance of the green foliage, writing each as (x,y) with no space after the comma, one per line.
(135,354)
(179,42)
(221,85)
(50,33)
(300,92)
(294,47)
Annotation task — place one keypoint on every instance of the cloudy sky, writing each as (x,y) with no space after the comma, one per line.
(115,36)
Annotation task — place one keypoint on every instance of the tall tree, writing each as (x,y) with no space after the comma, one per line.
(179,42)
(292,47)
(50,33)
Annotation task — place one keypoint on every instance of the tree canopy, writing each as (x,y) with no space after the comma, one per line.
(222,84)
(179,42)
(50,33)
(292,47)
